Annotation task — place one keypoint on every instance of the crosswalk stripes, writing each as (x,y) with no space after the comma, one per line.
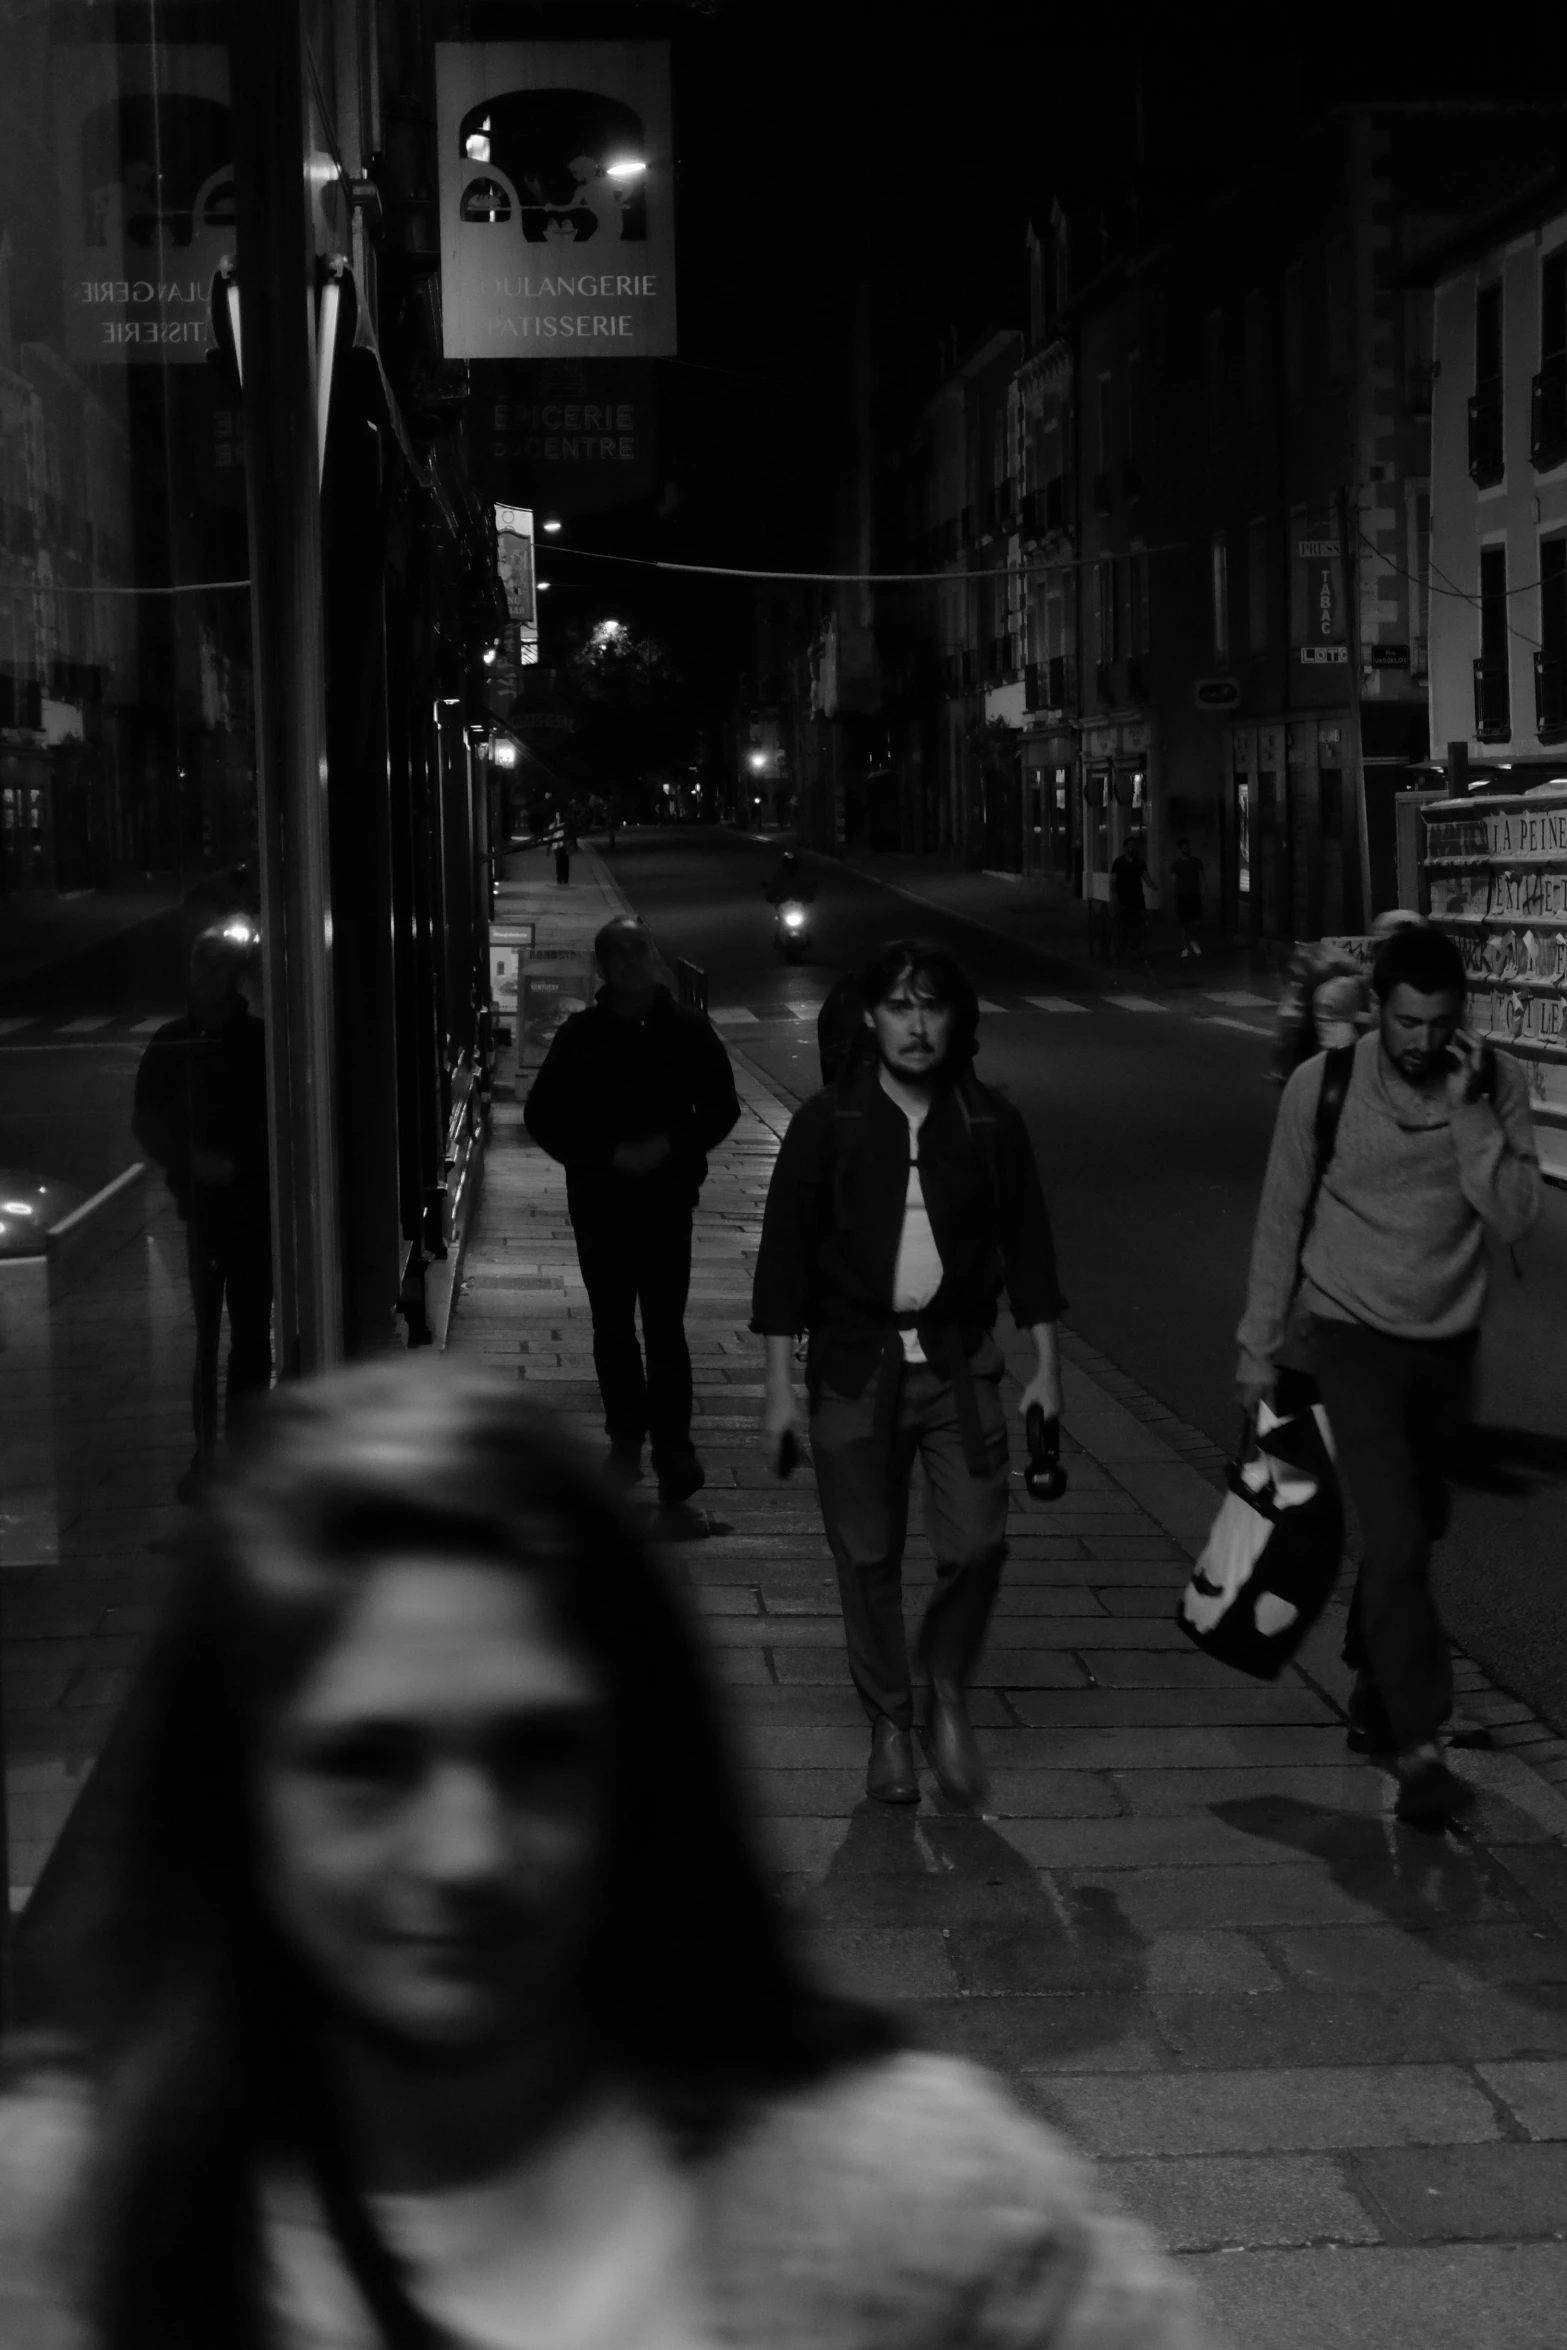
(87,1023)
(986,1006)
(1054,1003)
(1246,1027)
(1237,995)
(733,1016)
(803,1011)
(10,1027)
(1136,1003)
(146,1027)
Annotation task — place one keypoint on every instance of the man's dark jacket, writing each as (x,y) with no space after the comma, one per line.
(206,1089)
(834,1220)
(608,1081)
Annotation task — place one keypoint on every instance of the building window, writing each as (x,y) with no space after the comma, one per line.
(1256,357)
(1295,334)
(1137,603)
(1257,586)
(1550,662)
(1548,394)
(1338,340)
(1486,449)
(1216,379)
(1220,574)
(1493,713)
(1106,611)
(1420,586)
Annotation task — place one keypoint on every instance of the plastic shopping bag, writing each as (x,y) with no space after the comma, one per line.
(1272,1555)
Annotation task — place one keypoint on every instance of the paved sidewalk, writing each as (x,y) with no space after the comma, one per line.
(1324,2055)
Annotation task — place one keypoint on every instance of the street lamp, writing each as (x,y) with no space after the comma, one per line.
(553,524)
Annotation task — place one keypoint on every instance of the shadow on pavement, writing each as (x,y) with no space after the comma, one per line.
(1040,1974)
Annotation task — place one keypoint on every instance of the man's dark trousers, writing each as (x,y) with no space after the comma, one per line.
(646,1262)
(228,1252)
(1395,1406)
(863,1479)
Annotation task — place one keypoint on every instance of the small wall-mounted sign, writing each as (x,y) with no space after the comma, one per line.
(1389,656)
(1216,693)
(1323,656)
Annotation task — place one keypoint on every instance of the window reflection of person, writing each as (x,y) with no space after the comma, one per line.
(417,2022)
(201,1113)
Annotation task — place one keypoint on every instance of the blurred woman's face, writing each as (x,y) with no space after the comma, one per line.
(434,1801)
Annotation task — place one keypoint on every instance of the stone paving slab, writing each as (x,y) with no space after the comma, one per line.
(1323,2055)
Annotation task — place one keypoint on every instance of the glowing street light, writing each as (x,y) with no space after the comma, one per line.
(758,760)
(488,656)
(629,167)
(553,524)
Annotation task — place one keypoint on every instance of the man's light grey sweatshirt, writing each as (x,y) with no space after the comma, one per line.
(1398,1239)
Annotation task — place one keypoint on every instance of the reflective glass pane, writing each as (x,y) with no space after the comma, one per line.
(134,1214)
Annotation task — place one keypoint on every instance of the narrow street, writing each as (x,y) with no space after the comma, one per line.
(1151,1113)
(1323,2056)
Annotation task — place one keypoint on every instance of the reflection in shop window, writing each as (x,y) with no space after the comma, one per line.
(127,828)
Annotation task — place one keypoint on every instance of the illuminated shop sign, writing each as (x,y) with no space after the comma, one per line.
(557,199)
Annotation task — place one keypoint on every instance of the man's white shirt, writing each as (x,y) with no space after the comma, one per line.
(917,1274)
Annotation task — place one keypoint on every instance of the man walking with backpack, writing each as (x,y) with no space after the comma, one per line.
(1394,1161)
(901,1201)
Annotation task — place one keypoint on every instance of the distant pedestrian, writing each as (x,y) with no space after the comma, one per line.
(563,841)
(633,1094)
(201,1112)
(899,1204)
(843,1041)
(1128,876)
(1187,872)
(1384,1226)
(438,1994)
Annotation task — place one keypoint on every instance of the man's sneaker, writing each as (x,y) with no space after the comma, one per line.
(679,1478)
(1429,1794)
(623,1466)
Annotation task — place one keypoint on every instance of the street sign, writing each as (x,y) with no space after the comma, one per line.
(1323,656)
(1216,693)
(1390,656)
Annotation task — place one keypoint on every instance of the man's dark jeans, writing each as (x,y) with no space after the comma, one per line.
(647,1263)
(228,1253)
(1395,1406)
(863,1482)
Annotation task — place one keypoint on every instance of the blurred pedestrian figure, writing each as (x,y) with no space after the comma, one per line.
(1378,1215)
(1187,872)
(563,841)
(411,2022)
(201,1112)
(633,1094)
(1128,875)
(899,1203)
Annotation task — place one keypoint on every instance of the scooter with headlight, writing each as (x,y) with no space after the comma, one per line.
(792,929)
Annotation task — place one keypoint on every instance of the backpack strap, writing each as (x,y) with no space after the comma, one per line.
(1338,1069)
(981,1126)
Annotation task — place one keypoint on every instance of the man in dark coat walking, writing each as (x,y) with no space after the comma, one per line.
(633,1094)
(901,1202)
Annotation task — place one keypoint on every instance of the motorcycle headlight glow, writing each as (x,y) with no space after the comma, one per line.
(794,919)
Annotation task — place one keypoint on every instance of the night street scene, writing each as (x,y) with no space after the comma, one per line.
(783,1177)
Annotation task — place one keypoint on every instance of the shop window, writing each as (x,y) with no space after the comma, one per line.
(1550,660)
(1487,450)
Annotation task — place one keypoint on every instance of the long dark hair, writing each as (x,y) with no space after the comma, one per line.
(202,2026)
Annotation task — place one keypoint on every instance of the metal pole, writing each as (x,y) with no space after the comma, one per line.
(277,276)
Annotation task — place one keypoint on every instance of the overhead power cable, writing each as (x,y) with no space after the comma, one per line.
(862,578)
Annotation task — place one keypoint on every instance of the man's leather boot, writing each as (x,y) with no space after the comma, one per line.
(891,1776)
(954,1749)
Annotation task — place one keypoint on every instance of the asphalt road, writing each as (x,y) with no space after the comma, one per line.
(1152,1130)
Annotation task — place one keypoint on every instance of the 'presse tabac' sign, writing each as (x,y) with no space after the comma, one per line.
(557,199)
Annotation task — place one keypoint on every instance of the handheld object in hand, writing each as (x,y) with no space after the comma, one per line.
(788,1454)
(1044,1478)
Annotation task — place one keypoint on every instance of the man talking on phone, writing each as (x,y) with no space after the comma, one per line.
(1370,1264)
(902,1200)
